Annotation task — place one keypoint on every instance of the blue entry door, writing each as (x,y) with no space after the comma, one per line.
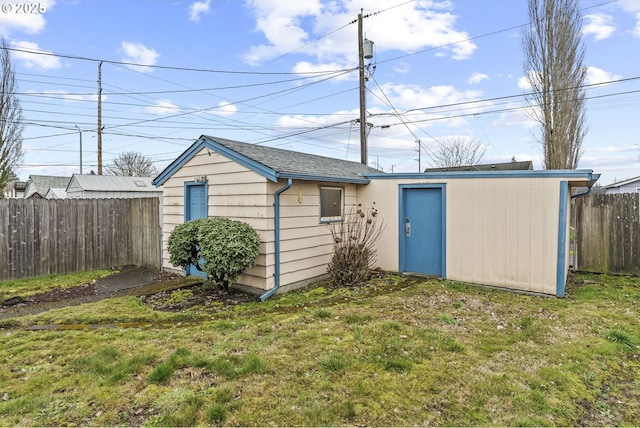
(422,230)
(195,207)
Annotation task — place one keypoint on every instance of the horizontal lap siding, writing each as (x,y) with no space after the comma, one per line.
(234,192)
(305,243)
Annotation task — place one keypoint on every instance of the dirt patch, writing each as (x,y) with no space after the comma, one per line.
(131,280)
(198,295)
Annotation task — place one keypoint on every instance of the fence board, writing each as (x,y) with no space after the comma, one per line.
(608,233)
(57,236)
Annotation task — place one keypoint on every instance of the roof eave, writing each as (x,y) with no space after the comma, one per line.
(578,174)
(307,177)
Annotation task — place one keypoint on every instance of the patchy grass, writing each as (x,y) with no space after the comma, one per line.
(398,351)
(41,284)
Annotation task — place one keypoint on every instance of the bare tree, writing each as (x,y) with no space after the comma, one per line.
(553,65)
(11,126)
(131,164)
(459,151)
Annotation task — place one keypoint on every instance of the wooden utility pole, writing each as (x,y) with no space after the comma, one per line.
(100,118)
(363,100)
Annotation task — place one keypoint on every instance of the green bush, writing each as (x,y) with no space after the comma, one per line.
(220,247)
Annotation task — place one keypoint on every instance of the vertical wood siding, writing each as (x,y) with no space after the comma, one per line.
(57,236)
(499,231)
(608,233)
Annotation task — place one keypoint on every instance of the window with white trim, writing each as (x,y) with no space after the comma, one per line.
(331,203)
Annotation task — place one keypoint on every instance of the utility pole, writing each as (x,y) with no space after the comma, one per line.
(363,100)
(80,148)
(100,118)
(419,156)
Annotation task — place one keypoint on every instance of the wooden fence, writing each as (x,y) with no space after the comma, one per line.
(57,236)
(608,233)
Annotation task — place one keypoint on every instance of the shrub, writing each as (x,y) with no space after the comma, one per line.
(353,239)
(220,247)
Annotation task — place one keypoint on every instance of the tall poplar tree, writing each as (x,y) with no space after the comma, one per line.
(554,55)
(11,126)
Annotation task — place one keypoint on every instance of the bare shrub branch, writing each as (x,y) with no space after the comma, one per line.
(354,254)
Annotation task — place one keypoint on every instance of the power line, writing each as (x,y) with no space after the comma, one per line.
(164,67)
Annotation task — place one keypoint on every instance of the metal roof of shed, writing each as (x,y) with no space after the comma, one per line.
(111,183)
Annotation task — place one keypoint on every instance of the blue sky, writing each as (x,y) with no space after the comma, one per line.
(283,74)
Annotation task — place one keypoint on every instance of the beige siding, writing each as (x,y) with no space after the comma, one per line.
(239,193)
(305,243)
(233,191)
(499,231)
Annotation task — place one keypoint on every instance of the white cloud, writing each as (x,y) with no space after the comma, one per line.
(198,8)
(41,61)
(629,5)
(137,53)
(225,109)
(477,78)
(30,23)
(596,75)
(599,25)
(517,118)
(406,97)
(291,26)
(66,96)
(401,67)
(524,82)
(162,107)
(633,7)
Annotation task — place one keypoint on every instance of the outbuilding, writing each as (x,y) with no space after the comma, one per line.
(499,228)
(110,186)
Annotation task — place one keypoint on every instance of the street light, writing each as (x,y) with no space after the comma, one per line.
(80,148)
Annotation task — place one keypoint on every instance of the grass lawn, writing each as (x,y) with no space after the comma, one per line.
(398,351)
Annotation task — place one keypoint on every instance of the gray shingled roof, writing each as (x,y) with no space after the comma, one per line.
(506,166)
(40,184)
(289,162)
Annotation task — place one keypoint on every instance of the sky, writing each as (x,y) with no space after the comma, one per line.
(285,74)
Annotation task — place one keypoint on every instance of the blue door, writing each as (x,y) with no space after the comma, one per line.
(195,207)
(422,230)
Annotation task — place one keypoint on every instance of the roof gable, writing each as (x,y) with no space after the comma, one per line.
(40,184)
(273,163)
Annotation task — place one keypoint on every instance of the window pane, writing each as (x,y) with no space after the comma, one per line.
(330,202)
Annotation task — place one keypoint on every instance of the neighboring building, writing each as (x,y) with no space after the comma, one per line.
(15,189)
(38,185)
(505,228)
(56,193)
(110,186)
(506,166)
(632,185)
